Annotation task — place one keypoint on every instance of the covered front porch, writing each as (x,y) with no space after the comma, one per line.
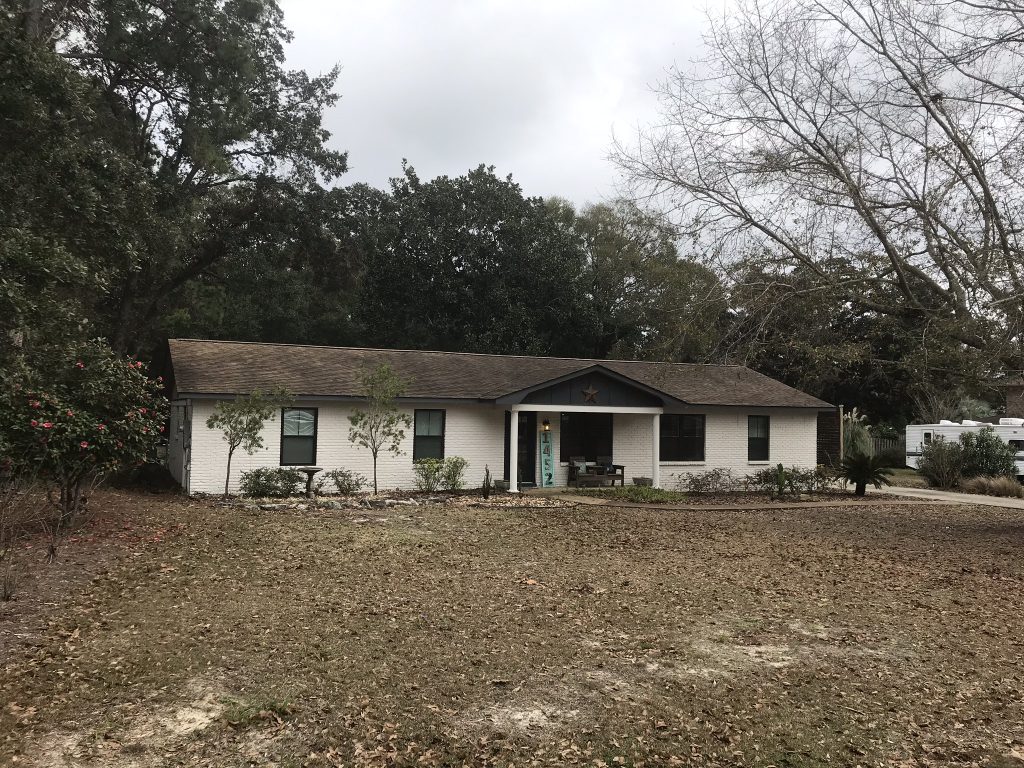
(549,441)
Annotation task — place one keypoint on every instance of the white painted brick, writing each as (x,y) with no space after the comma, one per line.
(476,432)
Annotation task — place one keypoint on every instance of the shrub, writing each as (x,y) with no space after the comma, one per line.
(429,473)
(712,481)
(765,479)
(821,479)
(994,486)
(986,455)
(941,463)
(74,417)
(485,489)
(277,482)
(343,481)
(893,457)
(452,473)
(864,468)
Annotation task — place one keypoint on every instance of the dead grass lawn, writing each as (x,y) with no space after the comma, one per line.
(207,636)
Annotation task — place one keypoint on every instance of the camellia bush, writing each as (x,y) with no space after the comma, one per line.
(73,417)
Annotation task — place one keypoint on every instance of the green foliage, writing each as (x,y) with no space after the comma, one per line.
(986,454)
(893,457)
(453,474)
(69,417)
(241,421)
(274,482)
(469,263)
(485,488)
(941,462)
(864,468)
(429,473)
(820,479)
(857,434)
(441,474)
(343,481)
(379,425)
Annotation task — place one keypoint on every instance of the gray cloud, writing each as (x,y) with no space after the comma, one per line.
(534,88)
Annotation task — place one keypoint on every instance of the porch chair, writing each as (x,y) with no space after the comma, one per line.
(613,471)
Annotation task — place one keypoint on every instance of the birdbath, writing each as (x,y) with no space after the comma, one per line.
(310,471)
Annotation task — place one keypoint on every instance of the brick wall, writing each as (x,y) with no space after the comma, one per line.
(792,440)
(476,432)
(473,432)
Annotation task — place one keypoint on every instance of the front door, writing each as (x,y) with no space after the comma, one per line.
(527,448)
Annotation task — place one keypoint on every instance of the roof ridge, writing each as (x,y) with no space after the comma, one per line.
(467,354)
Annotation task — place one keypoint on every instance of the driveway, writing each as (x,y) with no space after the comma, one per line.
(933,494)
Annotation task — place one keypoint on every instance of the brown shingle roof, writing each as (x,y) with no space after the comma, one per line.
(233,367)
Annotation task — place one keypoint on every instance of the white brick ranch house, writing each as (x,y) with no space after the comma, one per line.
(657,420)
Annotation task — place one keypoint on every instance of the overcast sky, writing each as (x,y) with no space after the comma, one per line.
(535,88)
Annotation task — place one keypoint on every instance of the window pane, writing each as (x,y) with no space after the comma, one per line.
(427,447)
(585,434)
(757,438)
(682,437)
(430,423)
(298,450)
(428,434)
(299,422)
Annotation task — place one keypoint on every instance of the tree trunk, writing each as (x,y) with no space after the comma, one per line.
(33,21)
(227,478)
(375,474)
(860,489)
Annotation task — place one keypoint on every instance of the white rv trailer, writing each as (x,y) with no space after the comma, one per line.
(919,435)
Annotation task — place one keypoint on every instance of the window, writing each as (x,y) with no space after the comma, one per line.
(682,437)
(298,436)
(1018,445)
(757,438)
(585,434)
(927,438)
(428,435)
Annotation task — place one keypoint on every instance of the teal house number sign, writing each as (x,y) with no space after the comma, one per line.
(547,460)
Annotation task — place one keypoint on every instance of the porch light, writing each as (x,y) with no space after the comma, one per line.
(547,425)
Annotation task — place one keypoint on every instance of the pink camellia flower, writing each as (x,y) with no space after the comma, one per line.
(101,427)
(79,364)
(70,412)
(35,404)
(34,423)
(47,424)
(142,410)
(84,444)
(162,429)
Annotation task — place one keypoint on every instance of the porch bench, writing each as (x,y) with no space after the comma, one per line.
(603,472)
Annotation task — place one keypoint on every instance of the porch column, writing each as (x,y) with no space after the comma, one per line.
(513,452)
(656,450)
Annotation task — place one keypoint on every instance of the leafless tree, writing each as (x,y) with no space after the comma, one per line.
(875,146)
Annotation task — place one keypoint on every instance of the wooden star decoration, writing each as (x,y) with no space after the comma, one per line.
(590,394)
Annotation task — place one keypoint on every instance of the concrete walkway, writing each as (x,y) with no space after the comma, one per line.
(951,497)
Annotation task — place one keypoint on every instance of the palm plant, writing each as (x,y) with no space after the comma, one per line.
(863,468)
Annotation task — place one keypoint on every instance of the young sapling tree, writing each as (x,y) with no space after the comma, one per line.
(242,419)
(379,425)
